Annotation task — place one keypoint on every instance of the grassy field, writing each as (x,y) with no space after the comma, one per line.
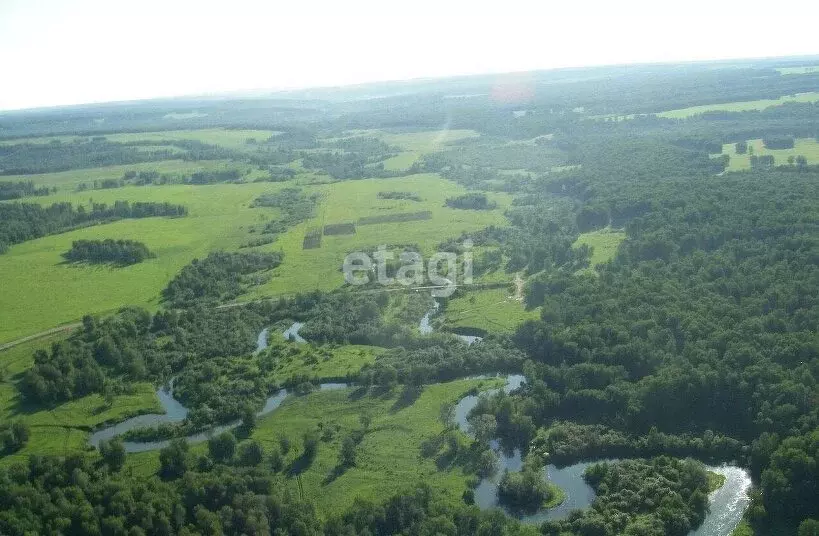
(807,147)
(739,106)
(492,310)
(604,244)
(40,292)
(348,201)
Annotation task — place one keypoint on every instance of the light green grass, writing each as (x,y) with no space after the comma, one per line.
(807,147)
(604,244)
(492,310)
(324,362)
(557,496)
(347,201)
(798,70)
(40,292)
(740,106)
(401,161)
(416,144)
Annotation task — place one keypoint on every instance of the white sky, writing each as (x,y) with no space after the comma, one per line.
(67,52)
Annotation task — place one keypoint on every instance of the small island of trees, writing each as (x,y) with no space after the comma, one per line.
(119,252)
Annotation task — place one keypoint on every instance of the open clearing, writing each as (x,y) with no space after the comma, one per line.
(604,244)
(807,147)
(740,106)
(492,310)
(416,144)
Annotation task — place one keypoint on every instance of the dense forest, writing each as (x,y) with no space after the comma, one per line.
(220,276)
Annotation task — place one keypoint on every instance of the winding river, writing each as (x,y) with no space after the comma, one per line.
(727,504)
(175,412)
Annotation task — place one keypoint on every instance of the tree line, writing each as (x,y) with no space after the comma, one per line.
(27,221)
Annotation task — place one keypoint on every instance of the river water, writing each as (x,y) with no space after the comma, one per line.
(425,327)
(175,412)
(727,504)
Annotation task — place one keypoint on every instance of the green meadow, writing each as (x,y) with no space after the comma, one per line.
(347,202)
(604,244)
(41,292)
(740,106)
(492,310)
(807,147)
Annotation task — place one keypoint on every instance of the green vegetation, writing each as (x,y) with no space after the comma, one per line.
(660,310)
(715,481)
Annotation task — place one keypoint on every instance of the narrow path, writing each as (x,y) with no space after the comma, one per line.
(518,287)
(40,335)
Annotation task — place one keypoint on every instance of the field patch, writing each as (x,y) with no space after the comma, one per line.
(63,429)
(492,310)
(807,147)
(604,244)
(740,106)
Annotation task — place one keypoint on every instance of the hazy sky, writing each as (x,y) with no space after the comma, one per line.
(66,52)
